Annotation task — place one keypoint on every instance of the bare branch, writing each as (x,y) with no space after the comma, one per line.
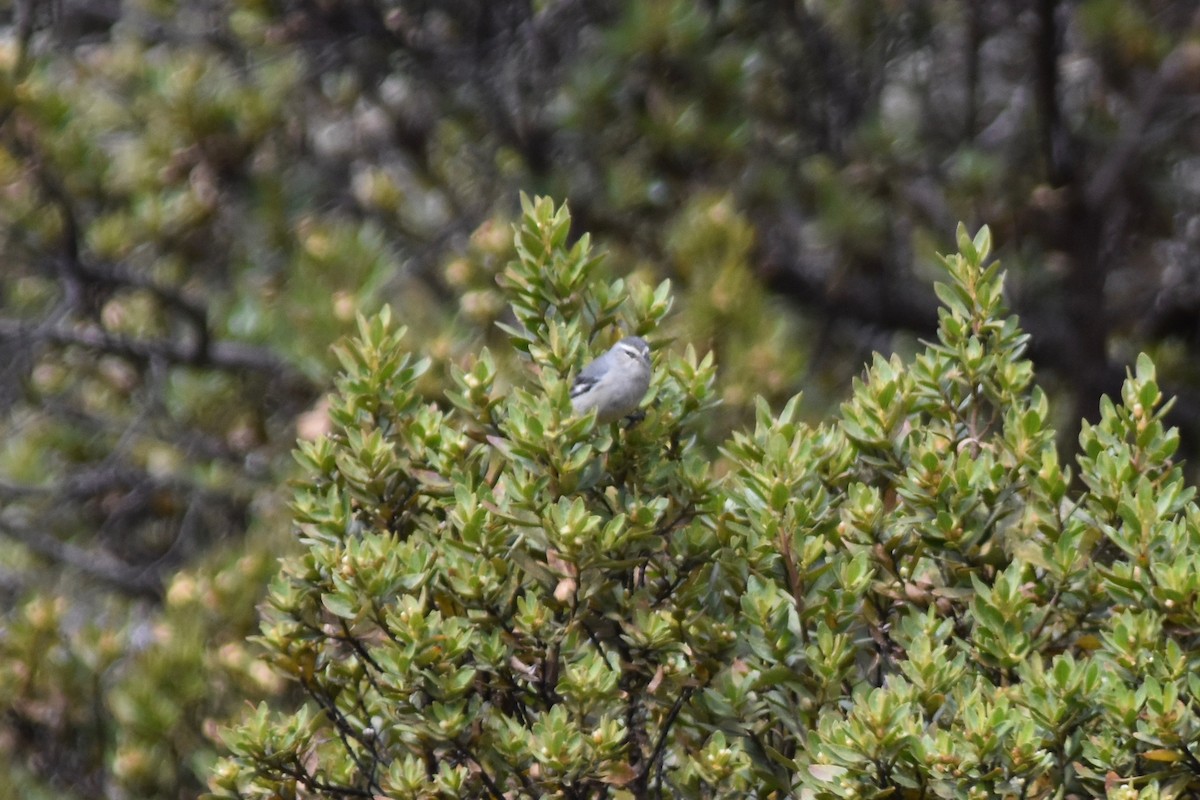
(98,564)
(225,355)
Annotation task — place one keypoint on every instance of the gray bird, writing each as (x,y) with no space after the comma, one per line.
(615,383)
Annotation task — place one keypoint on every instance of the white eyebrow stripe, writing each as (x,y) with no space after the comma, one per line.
(633,350)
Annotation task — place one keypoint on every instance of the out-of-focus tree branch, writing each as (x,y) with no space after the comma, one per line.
(92,562)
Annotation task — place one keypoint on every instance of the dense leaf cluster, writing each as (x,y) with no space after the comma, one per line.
(914,599)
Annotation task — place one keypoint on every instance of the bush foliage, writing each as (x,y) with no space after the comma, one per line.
(914,599)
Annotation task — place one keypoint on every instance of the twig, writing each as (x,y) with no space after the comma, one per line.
(656,753)
(94,563)
(231,356)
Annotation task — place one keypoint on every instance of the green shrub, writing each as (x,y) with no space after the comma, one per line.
(915,599)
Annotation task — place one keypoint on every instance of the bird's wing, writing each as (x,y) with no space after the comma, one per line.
(587,377)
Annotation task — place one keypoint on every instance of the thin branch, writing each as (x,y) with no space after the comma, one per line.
(114,277)
(349,638)
(793,579)
(1053,138)
(972,56)
(24,19)
(193,442)
(96,564)
(86,484)
(492,788)
(1132,139)
(304,777)
(659,745)
(346,733)
(231,356)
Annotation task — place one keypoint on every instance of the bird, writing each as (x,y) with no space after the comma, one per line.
(615,382)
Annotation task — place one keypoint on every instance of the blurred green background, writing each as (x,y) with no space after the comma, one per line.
(197,198)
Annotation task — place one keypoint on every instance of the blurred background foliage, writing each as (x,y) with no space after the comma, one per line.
(197,198)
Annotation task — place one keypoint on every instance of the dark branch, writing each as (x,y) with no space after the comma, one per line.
(96,564)
(230,356)
(656,754)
